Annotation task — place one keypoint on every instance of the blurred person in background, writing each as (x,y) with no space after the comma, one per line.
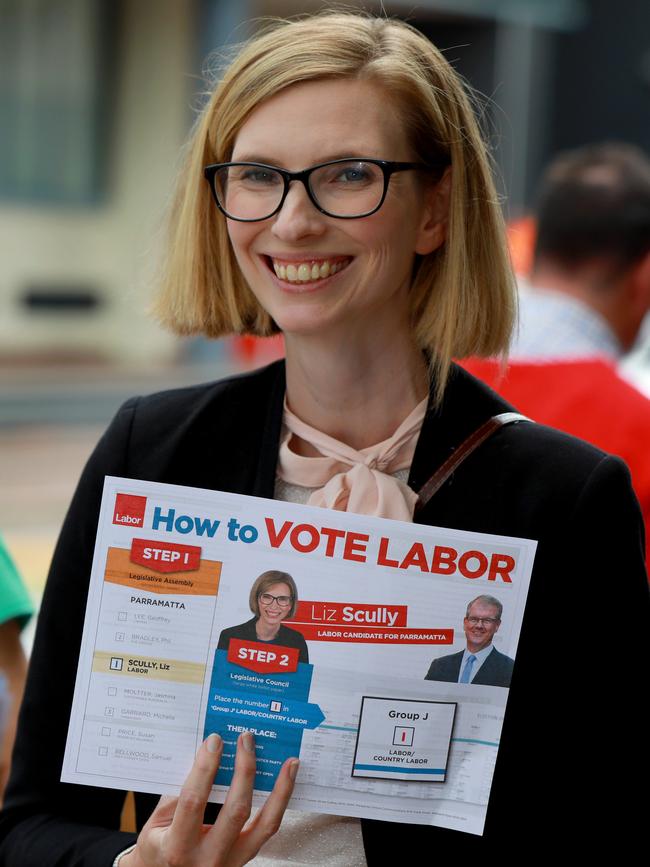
(590,281)
(587,296)
(15,611)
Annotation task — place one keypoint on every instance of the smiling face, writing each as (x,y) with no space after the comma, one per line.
(313,272)
(480,634)
(272,614)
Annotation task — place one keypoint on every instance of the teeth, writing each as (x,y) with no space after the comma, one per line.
(306,272)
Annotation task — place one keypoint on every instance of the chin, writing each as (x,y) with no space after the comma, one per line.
(301,325)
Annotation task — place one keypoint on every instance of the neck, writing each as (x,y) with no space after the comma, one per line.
(358,388)
(478,649)
(266,633)
(604,295)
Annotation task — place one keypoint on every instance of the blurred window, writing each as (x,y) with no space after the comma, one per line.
(54,96)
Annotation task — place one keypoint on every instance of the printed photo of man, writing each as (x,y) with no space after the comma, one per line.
(480,662)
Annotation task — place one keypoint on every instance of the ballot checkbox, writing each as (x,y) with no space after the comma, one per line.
(122,615)
(106,732)
(276,706)
(403,736)
(102,751)
(112,690)
(119,636)
(117,663)
(109,711)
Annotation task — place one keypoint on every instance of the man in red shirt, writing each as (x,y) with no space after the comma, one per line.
(588,293)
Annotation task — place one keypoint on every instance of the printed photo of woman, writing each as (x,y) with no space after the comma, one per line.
(273,598)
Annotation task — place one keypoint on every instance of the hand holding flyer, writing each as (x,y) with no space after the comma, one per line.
(378,652)
(176,833)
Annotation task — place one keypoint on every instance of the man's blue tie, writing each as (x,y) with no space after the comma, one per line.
(467,671)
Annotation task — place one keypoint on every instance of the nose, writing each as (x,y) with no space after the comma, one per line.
(298,218)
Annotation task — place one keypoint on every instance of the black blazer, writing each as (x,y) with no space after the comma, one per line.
(568,741)
(286,637)
(495,671)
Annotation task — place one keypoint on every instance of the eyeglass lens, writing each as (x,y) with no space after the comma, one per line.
(484,621)
(343,189)
(283,601)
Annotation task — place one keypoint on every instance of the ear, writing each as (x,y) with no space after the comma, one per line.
(435,214)
(640,283)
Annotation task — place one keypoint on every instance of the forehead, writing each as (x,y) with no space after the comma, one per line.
(278,589)
(483,609)
(317,121)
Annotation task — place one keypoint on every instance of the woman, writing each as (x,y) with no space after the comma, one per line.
(273,598)
(377,269)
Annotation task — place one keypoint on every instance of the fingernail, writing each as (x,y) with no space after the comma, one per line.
(248,742)
(213,743)
(293,769)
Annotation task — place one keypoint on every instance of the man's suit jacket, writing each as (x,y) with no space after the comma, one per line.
(495,671)
(526,481)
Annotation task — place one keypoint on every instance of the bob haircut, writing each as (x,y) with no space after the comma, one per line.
(266,580)
(463,296)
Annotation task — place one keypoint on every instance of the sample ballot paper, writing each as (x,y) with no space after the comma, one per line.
(375,677)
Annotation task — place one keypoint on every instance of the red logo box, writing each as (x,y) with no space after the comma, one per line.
(129,510)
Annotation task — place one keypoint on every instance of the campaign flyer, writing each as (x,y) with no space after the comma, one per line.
(379,652)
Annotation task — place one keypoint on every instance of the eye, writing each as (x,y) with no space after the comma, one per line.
(353,174)
(257,176)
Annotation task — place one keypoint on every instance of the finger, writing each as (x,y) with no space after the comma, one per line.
(188,818)
(164,811)
(267,822)
(237,807)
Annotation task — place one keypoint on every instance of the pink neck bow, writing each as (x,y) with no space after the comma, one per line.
(351,480)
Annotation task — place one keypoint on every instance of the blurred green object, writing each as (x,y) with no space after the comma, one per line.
(15,603)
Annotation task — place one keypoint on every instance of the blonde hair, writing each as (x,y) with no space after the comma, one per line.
(463,298)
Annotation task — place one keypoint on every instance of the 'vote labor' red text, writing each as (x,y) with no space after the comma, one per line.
(351,545)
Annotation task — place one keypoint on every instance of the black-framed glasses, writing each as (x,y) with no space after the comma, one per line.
(269,599)
(346,189)
(484,621)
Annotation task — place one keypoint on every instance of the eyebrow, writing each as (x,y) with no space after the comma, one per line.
(349,153)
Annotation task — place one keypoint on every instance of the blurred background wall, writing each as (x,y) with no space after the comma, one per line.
(95,106)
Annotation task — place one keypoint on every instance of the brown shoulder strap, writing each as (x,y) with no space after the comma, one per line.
(464,450)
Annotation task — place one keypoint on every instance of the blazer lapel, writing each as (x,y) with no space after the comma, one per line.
(231,441)
(269,446)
